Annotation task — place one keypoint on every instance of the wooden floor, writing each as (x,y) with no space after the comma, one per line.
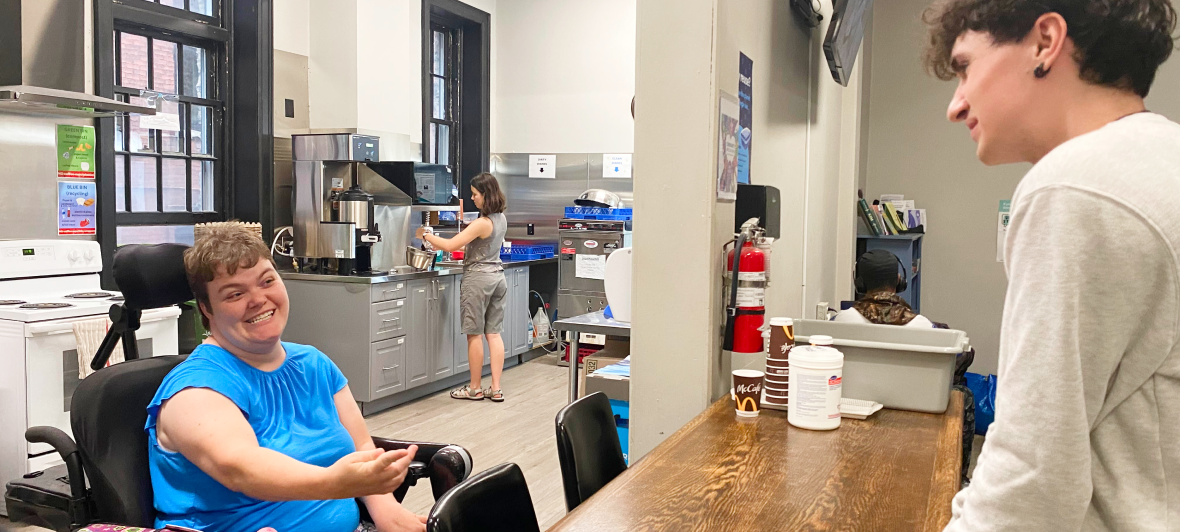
(519,430)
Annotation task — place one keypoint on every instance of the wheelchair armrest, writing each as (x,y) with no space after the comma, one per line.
(65,446)
(446,465)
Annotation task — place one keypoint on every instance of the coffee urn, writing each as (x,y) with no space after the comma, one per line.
(355,206)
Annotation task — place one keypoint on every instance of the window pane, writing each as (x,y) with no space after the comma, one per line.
(440,66)
(120,128)
(431,149)
(143,184)
(164,56)
(175,186)
(120,183)
(440,98)
(204,7)
(154,234)
(179,4)
(142,139)
(133,61)
(444,144)
(202,138)
(170,140)
(202,186)
(196,72)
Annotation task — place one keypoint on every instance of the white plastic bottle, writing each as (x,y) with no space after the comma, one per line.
(817,373)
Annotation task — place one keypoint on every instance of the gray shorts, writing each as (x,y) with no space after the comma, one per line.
(481,302)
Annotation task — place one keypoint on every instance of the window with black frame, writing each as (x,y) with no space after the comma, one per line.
(168,168)
(442,143)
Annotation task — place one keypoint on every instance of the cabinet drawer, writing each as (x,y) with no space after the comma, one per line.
(387,291)
(387,367)
(387,319)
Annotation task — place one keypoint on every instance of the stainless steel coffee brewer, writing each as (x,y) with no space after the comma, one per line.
(333,218)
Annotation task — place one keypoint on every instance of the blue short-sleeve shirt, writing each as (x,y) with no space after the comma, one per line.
(291,410)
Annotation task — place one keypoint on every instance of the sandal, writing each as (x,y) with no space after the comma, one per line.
(496,396)
(467,393)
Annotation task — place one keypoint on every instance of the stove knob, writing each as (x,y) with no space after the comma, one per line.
(90,255)
(73,255)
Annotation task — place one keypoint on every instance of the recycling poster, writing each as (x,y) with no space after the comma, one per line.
(76,204)
(75,152)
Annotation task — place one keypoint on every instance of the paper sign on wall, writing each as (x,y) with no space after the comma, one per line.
(616,165)
(727,148)
(590,267)
(746,100)
(1002,228)
(75,151)
(161,121)
(543,166)
(76,204)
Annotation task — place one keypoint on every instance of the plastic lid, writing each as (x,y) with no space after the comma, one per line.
(779,322)
(820,339)
(814,355)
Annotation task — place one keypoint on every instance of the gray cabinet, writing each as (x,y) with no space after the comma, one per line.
(387,367)
(460,343)
(386,319)
(418,359)
(442,327)
(516,318)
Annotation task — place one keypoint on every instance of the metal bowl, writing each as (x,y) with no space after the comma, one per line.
(418,259)
(597,197)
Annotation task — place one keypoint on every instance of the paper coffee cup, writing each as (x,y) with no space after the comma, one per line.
(747,390)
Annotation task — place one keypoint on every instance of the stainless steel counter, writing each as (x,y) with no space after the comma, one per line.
(593,323)
(393,277)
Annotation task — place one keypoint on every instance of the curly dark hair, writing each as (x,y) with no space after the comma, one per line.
(1120,43)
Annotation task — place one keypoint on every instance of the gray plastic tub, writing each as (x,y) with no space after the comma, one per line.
(903,368)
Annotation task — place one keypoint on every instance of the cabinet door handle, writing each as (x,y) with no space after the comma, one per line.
(395,366)
(400,302)
(391,320)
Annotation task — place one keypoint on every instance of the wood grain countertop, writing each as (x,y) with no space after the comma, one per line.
(896,471)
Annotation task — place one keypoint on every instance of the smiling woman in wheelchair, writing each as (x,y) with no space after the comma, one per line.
(250,432)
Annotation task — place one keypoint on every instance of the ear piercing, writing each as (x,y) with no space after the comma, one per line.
(1040,72)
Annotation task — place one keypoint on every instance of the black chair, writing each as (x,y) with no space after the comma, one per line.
(587,447)
(496,500)
(106,477)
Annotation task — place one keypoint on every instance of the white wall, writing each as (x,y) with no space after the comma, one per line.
(565,76)
(332,65)
(292,26)
(799,117)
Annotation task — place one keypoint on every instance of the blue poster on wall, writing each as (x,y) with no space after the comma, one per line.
(746,121)
(76,205)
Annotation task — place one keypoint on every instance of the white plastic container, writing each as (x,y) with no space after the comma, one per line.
(617,284)
(815,387)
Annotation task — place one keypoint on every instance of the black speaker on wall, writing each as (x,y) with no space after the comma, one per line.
(808,12)
(761,202)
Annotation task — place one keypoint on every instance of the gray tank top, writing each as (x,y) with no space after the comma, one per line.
(483,254)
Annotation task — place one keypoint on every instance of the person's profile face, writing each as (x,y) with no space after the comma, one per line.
(477,198)
(993,96)
(249,308)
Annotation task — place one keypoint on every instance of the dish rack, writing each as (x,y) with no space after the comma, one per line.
(519,253)
(597,213)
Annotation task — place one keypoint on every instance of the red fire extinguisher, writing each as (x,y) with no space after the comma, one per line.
(747,293)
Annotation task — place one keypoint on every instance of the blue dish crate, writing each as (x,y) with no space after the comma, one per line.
(519,253)
(597,213)
(622,413)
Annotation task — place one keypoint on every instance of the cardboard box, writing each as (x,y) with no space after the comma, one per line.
(617,388)
(589,365)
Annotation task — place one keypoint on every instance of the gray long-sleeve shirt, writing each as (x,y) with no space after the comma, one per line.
(1087,430)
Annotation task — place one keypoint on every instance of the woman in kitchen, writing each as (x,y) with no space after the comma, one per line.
(482,293)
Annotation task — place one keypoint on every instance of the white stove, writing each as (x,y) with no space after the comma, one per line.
(45,287)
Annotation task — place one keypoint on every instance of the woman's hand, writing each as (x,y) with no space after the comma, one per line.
(402,520)
(422,231)
(372,472)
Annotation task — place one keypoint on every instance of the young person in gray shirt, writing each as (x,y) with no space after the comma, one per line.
(1087,430)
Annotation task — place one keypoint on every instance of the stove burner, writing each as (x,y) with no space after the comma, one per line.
(11,302)
(117,298)
(89,295)
(42,306)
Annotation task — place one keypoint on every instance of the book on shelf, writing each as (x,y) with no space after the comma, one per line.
(869,218)
(891,218)
(885,228)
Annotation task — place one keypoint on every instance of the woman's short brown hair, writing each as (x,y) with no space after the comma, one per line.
(493,199)
(1120,43)
(219,247)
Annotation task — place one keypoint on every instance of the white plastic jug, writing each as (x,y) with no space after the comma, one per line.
(617,283)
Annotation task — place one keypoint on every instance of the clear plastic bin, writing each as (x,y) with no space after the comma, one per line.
(903,368)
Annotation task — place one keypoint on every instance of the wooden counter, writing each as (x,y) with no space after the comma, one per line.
(896,471)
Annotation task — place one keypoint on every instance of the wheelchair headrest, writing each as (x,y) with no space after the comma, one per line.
(152,276)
